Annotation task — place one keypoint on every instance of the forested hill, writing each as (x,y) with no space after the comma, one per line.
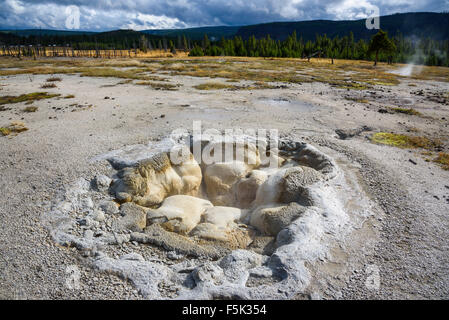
(214,33)
(420,25)
(45,32)
(434,26)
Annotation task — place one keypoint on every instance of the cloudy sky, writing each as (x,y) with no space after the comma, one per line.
(160,14)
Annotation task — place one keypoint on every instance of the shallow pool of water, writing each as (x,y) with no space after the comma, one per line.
(293,105)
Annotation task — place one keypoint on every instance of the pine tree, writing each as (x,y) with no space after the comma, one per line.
(381,43)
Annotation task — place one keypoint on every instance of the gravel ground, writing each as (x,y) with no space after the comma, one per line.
(407,241)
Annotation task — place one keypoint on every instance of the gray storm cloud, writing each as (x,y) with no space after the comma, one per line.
(154,14)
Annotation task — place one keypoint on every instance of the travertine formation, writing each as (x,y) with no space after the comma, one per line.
(152,180)
(223,219)
(228,195)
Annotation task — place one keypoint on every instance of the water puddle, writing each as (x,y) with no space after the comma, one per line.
(292,105)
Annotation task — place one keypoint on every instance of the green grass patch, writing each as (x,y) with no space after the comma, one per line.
(84,71)
(382,83)
(30,97)
(349,85)
(357,100)
(4,131)
(214,86)
(405,141)
(409,111)
(134,74)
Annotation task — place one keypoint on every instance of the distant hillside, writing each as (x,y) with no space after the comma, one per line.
(422,24)
(45,32)
(214,33)
(121,35)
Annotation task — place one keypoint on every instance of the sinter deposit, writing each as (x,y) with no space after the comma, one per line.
(214,225)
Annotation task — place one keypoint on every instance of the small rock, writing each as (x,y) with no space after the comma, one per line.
(172,255)
(134,217)
(88,222)
(98,234)
(102,183)
(86,204)
(344,134)
(208,272)
(88,234)
(109,207)
(261,272)
(132,257)
(97,215)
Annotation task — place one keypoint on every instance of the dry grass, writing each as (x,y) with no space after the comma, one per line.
(343,74)
(443,160)
(354,75)
(48,86)
(432,73)
(15,127)
(134,74)
(358,100)
(36,70)
(119,54)
(159,86)
(54,79)
(30,109)
(409,111)
(127,81)
(4,131)
(29,98)
(69,96)
(85,69)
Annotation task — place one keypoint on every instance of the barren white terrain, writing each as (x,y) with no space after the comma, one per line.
(92,208)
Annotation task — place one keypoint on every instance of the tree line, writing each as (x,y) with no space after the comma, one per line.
(400,49)
(109,44)
(382,48)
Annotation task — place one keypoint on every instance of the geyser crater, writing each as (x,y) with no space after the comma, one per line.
(215,225)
